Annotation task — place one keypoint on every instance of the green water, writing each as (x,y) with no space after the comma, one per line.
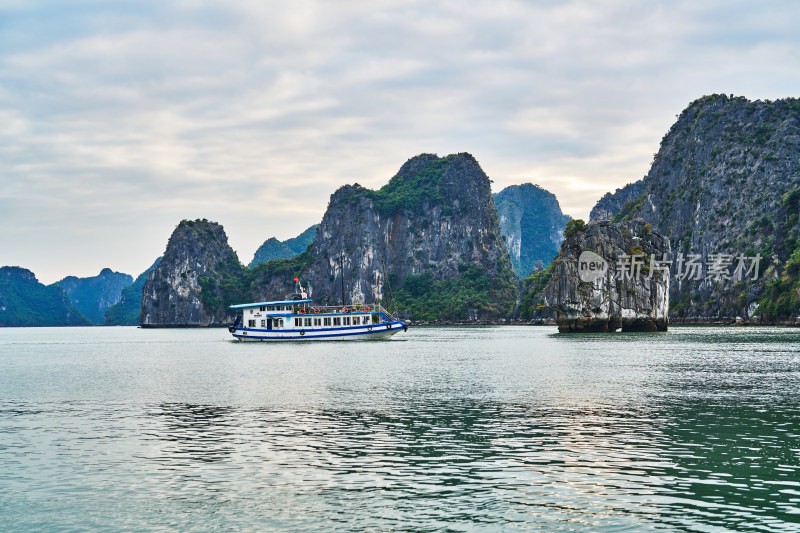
(438,429)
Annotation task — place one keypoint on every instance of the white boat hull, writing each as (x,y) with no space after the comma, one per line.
(349,333)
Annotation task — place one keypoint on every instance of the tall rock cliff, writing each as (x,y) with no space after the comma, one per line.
(532,224)
(126,311)
(428,243)
(610,276)
(274,249)
(26,302)
(187,287)
(723,187)
(94,295)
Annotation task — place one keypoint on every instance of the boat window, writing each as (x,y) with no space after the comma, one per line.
(251,323)
(347,321)
(262,308)
(308,322)
(317,321)
(298,322)
(263,323)
(337,321)
(356,320)
(327,321)
(365,319)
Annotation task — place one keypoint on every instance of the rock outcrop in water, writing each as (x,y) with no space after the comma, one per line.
(608,276)
(532,224)
(187,287)
(725,184)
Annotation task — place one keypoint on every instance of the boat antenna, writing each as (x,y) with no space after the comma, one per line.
(341,268)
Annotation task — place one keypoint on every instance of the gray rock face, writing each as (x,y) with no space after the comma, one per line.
(636,302)
(197,254)
(715,188)
(532,223)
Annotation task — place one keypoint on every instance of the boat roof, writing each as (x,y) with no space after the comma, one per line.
(259,304)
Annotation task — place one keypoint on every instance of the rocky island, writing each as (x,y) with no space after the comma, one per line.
(610,276)
(177,292)
(725,187)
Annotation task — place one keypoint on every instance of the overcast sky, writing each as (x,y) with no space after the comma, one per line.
(119,119)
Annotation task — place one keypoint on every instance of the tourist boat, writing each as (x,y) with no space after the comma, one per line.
(300,320)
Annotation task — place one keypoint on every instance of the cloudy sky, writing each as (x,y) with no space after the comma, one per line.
(119,119)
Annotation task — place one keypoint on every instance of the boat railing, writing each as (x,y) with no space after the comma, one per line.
(382,309)
(352,308)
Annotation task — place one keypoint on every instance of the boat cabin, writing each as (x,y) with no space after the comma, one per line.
(299,314)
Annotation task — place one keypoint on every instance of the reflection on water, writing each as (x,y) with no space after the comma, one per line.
(193,433)
(454,429)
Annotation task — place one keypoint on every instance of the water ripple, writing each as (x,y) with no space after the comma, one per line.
(476,433)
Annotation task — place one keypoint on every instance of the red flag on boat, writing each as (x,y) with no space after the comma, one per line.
(297,280)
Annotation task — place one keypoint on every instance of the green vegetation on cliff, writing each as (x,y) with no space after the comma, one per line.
(26,302)
(574,226)
(412,189)
(781,297)
(224,285)
(473,295)
(532,304)
(231,284)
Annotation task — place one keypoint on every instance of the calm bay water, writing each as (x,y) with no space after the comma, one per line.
(459,429)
